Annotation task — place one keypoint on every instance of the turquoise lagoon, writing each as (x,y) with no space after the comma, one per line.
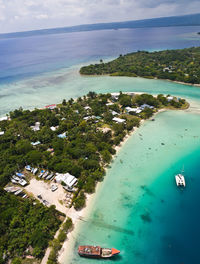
(138,208)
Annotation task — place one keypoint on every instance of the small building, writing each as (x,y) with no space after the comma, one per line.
(53,128)
(34,170)
(51,107)
(146,106)
(87,107)
(36,127)
(20,175)
(4,118)
(136,110)
(68,179)
(35,143)
(108,104)
(28,168)
(119,120)
(170,98)
(63,135)
(2,133)
(114,113)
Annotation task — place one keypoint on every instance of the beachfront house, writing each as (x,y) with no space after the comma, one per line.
(114,96)
(4,118)
(68,179)
(119,120)
(170,98)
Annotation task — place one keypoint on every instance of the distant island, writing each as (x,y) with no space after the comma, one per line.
(181,65)
(172,21)
(61,149)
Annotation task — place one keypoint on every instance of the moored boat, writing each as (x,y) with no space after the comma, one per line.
(180,179)
(97,252)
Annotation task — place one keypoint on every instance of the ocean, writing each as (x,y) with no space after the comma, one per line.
(138,208)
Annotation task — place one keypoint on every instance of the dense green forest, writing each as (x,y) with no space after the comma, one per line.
(91,137)
(25,227)
(177,65)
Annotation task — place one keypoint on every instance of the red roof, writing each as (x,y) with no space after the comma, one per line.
(49,106)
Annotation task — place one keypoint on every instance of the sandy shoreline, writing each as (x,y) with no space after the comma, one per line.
(76,216)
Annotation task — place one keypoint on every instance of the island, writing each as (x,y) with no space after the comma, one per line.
(52,157)
(181,65)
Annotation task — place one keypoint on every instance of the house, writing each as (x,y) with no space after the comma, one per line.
(170,98)
(35,143)
(51,107)
(4,118)
(115,96)
(63,135)
(134,110)
(146,106)
(86,118)
(34,170)
(119,120)
(67,178)
(87,107)
(28,167)
(36,127)
(2,133)
(20,175)
(108,104)
(53,128)
(114,113)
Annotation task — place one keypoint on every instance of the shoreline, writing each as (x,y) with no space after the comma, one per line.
(168,80)
(78,215)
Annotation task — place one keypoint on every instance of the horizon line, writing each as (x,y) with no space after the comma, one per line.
(82,27)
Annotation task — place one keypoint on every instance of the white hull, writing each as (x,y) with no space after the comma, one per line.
(180,180)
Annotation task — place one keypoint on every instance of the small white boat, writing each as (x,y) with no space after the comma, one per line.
(180,180)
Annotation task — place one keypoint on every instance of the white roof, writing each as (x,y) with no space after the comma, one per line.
(4,118)
(114,113)
(169,98)
(87,107)
(109,104)
(146,105)
(2,133)
(136,110)
(67,178)
(53,128)
(119,120)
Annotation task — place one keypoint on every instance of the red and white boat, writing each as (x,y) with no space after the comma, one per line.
(97,252)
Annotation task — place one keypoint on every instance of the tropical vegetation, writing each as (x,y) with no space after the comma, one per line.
(90,136)
(177,65)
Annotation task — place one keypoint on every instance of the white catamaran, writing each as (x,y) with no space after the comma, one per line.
(180,179)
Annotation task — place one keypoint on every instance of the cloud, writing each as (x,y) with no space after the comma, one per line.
(19,15)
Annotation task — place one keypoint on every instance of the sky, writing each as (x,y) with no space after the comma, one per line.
(22,15)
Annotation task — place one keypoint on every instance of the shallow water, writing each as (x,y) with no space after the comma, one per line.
(40,70)
(138,208)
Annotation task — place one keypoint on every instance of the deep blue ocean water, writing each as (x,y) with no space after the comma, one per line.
(24,57)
